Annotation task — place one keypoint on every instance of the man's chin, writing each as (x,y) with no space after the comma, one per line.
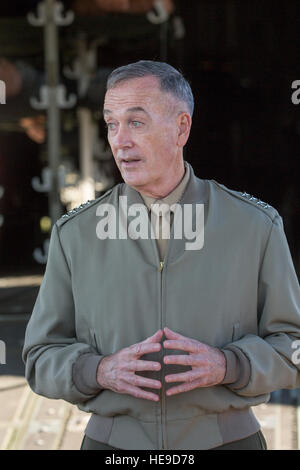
(133,178)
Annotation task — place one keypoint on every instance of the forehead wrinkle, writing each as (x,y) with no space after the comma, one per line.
(133,93)
(129,101)
(133,109)
(115,109)
(126,107)
(137,109)
(138,94)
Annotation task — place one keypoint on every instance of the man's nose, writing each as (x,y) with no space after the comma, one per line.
(122,138)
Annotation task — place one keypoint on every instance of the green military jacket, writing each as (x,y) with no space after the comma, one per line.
(239,293)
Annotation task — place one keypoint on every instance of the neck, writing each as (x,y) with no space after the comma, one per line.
(162,189)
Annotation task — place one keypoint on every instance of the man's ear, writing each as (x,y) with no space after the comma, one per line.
(184,123)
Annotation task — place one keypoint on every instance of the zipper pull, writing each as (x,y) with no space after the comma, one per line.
(161,265)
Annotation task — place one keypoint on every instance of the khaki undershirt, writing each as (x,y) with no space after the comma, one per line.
(171,198)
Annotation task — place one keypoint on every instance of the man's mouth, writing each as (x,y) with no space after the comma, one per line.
(130,162)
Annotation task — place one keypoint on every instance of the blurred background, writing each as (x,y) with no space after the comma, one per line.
(241,59)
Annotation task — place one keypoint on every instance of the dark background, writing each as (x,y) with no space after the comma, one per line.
(240,57)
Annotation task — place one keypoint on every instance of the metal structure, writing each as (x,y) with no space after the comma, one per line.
(84,67)
(83,36)
(53,95)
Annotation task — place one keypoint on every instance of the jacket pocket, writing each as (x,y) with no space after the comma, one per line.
(235,332)
(93,340)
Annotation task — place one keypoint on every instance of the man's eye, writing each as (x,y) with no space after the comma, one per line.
(136,123)
(110,126)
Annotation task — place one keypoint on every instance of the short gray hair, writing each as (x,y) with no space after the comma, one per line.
(171,80)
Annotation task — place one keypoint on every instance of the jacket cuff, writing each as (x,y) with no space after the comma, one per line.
(85,373)
(238,368)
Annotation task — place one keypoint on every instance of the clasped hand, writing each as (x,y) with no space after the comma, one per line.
(117,371)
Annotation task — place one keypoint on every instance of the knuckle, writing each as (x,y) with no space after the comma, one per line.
(134,380)
(191,378)
(121,377)
(130,350)
(189,360)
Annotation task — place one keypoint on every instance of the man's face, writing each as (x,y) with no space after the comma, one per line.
(143,134)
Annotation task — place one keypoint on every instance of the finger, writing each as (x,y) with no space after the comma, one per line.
(156,338)
(184,360)
(138,393)
(186,387)
(183,345)
(189,376)
(139,381)
(170,334)
(140,349)
(139,365)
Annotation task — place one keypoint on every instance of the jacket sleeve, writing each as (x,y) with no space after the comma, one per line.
(269,358)
(56,364)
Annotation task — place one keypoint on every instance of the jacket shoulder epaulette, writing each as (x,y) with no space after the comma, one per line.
(248,198)
(77,210)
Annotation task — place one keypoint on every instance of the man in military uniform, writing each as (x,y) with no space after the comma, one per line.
(167,347)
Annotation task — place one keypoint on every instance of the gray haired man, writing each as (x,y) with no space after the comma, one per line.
(168,348)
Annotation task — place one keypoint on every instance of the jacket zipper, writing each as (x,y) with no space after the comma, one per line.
(163,398)
(162,415)
(163,395)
